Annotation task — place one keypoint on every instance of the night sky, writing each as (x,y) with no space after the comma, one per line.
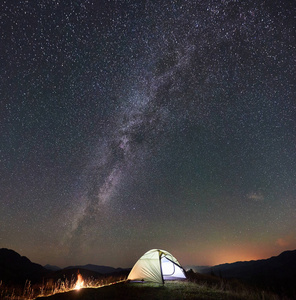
(132,125)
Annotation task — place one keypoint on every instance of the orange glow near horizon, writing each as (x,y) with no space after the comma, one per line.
(227,254)
(231,256)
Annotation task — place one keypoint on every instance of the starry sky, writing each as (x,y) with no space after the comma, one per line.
(132,125)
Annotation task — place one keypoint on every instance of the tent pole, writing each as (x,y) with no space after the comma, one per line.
(159,255)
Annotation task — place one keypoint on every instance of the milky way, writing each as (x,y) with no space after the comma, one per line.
(129,141)
(141,125)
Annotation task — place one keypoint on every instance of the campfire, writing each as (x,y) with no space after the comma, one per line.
(80,282)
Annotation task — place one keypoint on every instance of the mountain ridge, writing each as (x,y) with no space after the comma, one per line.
(286,258)
(15,268)
(52,267)
(276,273)
(96,268)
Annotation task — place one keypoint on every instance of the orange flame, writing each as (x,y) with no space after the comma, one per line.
(80,282)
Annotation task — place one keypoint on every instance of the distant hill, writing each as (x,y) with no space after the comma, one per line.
(198,269)
(98,269)
(278,272)
(71,274)
(16,269)
(52,268)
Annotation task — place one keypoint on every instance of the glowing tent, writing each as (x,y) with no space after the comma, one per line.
(156,266)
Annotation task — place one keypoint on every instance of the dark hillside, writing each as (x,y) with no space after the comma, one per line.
(276,273)
(71,275)
(16,269)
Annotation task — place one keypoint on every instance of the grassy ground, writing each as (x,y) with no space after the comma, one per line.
(171,290)
(197,286)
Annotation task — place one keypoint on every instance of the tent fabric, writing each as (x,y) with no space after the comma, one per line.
(156,266)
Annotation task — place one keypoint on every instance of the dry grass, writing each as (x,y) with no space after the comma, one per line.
(197,286)
(50,287)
